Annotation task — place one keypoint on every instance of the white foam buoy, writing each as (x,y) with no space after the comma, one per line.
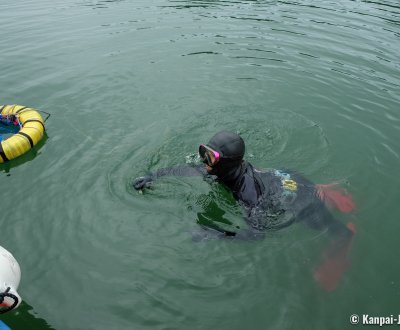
(10,275)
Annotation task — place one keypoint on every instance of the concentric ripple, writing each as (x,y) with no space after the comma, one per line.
(134,86)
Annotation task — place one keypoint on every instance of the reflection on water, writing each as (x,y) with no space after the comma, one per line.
(25,318)
(99,4)
(27,157)
(185,4)
(389,9)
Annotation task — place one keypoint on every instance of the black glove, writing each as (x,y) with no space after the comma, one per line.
(142,182)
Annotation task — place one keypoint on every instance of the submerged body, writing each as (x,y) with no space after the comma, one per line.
(272,199)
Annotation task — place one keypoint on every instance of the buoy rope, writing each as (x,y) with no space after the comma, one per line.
(29,109)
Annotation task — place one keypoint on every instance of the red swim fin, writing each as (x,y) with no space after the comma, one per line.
(334,196)
(329,274)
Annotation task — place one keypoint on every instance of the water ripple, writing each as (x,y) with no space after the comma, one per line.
(135,86)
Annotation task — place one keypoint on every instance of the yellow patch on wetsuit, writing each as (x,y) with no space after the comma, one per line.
(289,184)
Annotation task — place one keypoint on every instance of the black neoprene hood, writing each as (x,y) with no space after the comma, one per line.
(229,145)
(231,148)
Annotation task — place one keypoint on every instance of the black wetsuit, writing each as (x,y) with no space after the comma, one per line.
(272,199)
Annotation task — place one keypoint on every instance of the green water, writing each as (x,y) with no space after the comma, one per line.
(133,86)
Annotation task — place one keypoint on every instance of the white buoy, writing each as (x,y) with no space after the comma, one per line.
(10,275)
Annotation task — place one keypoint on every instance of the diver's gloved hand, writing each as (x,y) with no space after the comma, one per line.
(142,182)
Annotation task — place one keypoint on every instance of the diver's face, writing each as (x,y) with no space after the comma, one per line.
(208,168)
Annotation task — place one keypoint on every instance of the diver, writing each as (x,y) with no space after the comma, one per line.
(272,199)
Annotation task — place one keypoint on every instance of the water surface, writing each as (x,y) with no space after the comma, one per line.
(134,86)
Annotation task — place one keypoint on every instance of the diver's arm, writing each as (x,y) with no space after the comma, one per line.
(241,234)
(182,170)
